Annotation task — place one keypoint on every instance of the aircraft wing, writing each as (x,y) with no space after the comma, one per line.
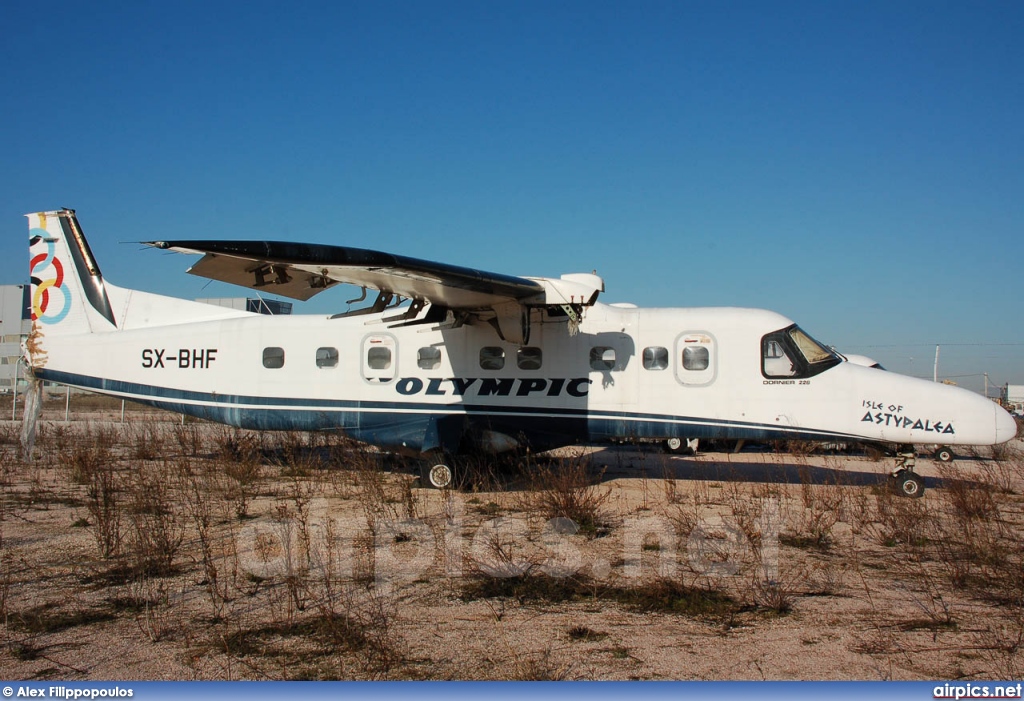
(301,270)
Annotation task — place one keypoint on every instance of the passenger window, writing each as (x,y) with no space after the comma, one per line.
(655,358)
(602,358)
(428,358)
(696,358)
(529,358)
(378,358)
(696,352)
(492,358)
(326,357)
(273,358)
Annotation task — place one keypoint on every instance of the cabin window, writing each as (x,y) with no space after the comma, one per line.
(602,358)
(273,358)
(655,358)
(790,352)
(378,358)
(696,352)
(492,358)
(327,357)
(428,358)
(696,358)
(529,358)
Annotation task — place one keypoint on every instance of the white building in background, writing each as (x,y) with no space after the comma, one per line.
(1013,397)
(250,304)
(15,324)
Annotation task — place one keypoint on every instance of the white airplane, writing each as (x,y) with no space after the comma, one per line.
(473,360)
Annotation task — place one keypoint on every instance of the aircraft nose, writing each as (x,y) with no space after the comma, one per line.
(1006,426)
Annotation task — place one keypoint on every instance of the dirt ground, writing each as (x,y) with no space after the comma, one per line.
(152,549)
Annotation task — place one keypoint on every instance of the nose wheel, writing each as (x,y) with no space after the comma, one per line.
(908,484)
(903,480)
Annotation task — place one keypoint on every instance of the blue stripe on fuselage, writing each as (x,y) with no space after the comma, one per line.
(407,424)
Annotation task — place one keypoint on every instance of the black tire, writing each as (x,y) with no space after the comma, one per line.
(944,454)
(437,475)
(674,446)
(908,484)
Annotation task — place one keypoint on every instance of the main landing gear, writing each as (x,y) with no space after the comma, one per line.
(681,445)
(437,474)
(903,480)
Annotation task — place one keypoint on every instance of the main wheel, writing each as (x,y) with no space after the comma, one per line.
(675,445)
(908,484)
(438,476)
(944,454)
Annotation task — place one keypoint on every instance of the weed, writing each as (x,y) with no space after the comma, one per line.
(527,587)
(199,488)
(584,634)
(672,596)
(49,618)
(900,521)
(145,439)
(772,595)
(240,456)
(189,438)
(24,650)
(569,490)
(103,502)
(157,528)
(489,509)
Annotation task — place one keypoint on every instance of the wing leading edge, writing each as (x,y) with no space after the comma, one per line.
(302,270)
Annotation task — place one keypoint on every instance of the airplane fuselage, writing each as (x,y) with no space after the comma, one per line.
(627,373)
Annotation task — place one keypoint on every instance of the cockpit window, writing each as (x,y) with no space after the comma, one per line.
(792,353)
(812,351)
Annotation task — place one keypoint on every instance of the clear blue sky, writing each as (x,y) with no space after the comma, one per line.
(857,166)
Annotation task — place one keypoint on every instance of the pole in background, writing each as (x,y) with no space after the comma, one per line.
(935,372)
(14,407)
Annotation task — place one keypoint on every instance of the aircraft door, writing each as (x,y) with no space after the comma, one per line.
(613,368)
(379,358)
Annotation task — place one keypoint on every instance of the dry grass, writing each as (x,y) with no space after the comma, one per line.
(191,551)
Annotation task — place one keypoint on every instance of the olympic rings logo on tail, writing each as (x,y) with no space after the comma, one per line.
(50,279)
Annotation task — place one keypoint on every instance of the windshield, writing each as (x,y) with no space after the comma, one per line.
(812,351)
(790,352)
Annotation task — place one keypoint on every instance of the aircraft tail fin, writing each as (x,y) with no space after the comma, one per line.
(68,295)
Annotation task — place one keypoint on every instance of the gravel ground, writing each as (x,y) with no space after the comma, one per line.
(750,565)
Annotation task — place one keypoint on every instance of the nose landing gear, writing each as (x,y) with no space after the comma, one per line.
(903,480)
